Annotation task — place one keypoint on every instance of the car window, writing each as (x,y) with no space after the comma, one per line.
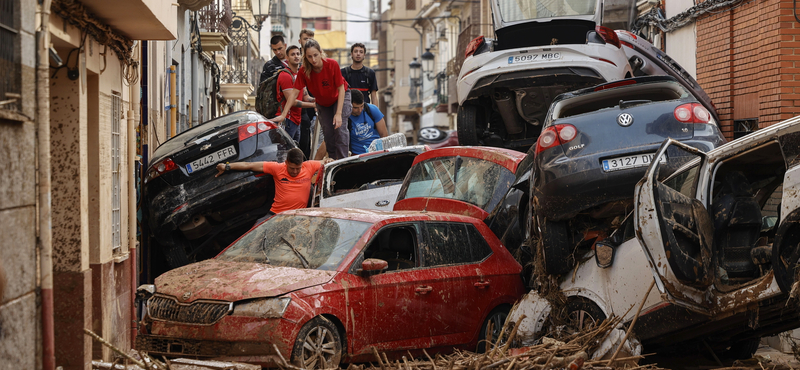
(515,10)
(394,244)
(684,181)
(639,93)
(298,241)
(472,180)
(453,244)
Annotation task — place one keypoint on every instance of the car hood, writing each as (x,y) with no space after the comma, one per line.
(234,281)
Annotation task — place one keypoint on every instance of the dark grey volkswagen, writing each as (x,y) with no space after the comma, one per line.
(595,145)
(192,215)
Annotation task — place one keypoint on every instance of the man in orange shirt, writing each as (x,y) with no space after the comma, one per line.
(293,179)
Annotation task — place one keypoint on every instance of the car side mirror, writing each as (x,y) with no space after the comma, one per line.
(372,266)
(604,254)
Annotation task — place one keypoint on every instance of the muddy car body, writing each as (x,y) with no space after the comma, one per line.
(487,183)
(550,47)
(349,280)
(190,213)
(719,238)
(596,144)
(368,181)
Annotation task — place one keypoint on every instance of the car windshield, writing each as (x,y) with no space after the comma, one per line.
(472,180)
(206,128)
(298,241)
(520,10)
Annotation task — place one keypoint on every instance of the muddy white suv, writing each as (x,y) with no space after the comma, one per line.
(721,239)
(542,48)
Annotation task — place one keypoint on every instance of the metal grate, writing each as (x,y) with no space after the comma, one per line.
(9,67)
(175,346)
(215,17)
(167,308)
(116,162)
(239,58)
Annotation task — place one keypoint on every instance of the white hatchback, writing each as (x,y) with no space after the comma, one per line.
(720,239)
(542,48)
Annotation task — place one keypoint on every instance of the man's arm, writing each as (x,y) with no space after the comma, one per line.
(239,166)
(374,97)
(380,126)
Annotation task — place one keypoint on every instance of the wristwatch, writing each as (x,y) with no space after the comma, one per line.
(227,166)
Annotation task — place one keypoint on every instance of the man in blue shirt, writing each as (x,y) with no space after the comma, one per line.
(366,124)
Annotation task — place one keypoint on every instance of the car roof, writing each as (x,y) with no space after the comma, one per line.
(379,153)
(374,216)
(507,158)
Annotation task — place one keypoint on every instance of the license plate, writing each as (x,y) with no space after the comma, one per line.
(629,161)
(538,57)
(210,159)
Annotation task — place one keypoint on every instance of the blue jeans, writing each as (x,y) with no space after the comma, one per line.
(292,129)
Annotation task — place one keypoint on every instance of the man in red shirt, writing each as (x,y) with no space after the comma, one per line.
(293,179)
(285,87)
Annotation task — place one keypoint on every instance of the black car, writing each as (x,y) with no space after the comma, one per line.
(192,215)
(596,144)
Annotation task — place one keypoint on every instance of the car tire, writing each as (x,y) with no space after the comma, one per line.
(584,314)
(431,134)
(318,339)
(556,247)
(498,318)
(470,127)
(743,350)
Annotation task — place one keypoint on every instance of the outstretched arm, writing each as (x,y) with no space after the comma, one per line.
(239,166)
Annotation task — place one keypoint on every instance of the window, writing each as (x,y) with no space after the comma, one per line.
(742,127)
(116,192)
(411,4)
(396,245)
(454,244)
(318,23)
(9,69)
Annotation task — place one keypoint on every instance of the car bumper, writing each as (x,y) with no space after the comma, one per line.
(606,60)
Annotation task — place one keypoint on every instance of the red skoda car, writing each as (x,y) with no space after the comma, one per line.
(322,286)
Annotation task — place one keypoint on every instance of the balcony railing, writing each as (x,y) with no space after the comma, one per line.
(216,17)
(467,34)
(239,56)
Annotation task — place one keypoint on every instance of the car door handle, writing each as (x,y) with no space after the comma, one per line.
(482,284)
(423,289)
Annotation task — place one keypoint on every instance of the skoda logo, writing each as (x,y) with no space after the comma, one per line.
(186,296)
(625,119)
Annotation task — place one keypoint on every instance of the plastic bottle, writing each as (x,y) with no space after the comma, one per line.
(391,141)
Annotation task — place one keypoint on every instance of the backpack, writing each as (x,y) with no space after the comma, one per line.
(267,95)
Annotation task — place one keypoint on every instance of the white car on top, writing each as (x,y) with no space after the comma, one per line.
(542,48)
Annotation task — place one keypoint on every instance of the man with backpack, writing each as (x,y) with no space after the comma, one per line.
(366,124)
(285,85)
(359,76)
(278,46)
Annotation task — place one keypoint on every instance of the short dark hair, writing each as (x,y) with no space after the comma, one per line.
(276,39)
(295,156)
(292,47)
(356,97)
(358,45)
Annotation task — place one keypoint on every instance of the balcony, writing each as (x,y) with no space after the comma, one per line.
(467,34)
(134,19)
(214,22)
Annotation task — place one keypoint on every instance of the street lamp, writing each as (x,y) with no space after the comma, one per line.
(260,14)
(427,60)
(415,81)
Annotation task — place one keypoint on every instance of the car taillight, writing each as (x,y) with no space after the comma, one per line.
(473,46)
(250,129)
(692,113)
(608,35)
(555,135)
(160,168)
(615,84)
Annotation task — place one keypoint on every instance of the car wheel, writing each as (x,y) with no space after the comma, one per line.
(579,315)
(471,125)
(318,345)
(556,247)
(431,134)
(497,318)
(743,350)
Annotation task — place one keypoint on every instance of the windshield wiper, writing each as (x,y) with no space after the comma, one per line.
(264,248)
(296,252)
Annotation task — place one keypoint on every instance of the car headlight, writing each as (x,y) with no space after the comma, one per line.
(262,307)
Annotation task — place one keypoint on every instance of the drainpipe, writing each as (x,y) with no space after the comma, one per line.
(133,109)
(44,199)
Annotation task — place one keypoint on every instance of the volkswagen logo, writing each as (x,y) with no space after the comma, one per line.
(204,147)
(186,296)
(625,119)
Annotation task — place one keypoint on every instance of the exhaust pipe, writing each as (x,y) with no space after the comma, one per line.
(508,112)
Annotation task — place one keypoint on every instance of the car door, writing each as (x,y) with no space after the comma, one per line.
(674,228)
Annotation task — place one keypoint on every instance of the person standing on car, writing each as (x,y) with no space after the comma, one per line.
(278,46)
(285,86)
(293,179)
(307,114)
(366,124)
(359,76)
(324,80)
